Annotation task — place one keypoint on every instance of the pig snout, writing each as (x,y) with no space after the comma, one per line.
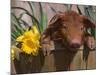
(75,43)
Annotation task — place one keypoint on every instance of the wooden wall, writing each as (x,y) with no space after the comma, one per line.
(58,60)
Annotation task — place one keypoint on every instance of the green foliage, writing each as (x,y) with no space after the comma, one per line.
(20,25)
(43,19)
(68,6)
(89,11)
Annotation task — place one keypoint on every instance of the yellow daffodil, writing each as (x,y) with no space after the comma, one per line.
(12,54)
(30,41)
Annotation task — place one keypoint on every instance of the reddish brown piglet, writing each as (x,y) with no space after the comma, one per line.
(69,27)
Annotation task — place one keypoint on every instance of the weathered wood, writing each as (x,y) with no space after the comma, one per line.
(13,70)
(59,59)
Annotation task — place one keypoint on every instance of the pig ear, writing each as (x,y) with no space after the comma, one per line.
(55,22)
(54,19)
(57,18)
(53,26)
(87,22)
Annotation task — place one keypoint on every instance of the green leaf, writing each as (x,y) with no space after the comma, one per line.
(13,38)
(79,10)
(28,13)
(41,16)
(21,15)
(13,35)
(90,13)
(16,23)
(53,9)
(44,22)
(34,20)
(31,4)
(68,6)
(24,23)
(93,32)
(43,19)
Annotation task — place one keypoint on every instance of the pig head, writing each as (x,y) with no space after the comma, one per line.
(68,26)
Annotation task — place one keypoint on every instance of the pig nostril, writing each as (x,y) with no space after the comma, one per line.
(75,45)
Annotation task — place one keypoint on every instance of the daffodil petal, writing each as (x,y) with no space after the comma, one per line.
(20,38)
(30,41)
(12,54)
(35,30)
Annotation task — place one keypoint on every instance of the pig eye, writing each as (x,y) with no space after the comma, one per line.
(65,26)
(82,28)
